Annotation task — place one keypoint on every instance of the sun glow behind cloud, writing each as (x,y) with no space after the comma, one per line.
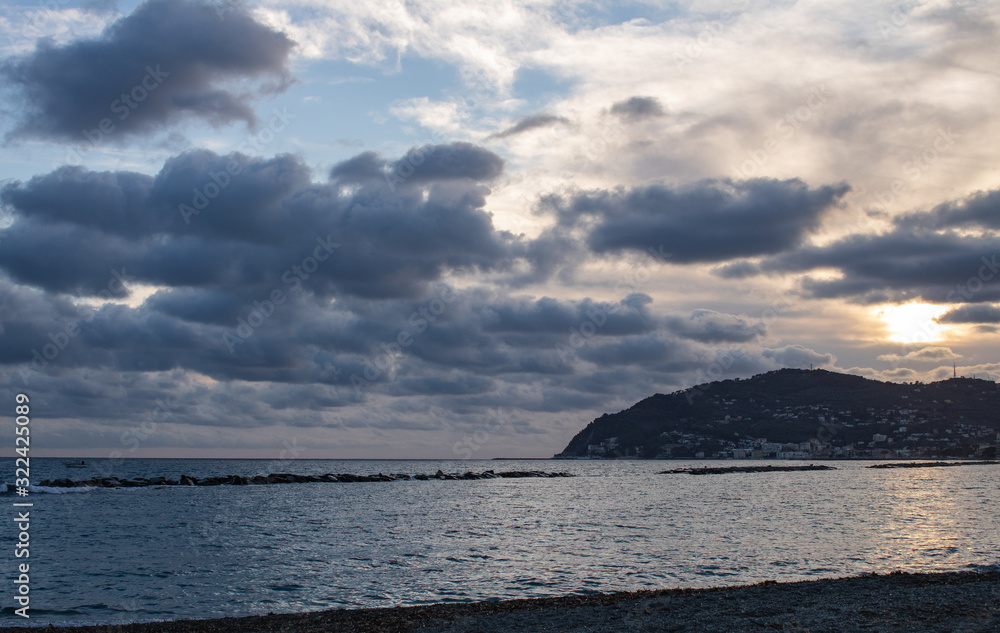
(913,322)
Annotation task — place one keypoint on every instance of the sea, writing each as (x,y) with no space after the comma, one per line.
(110,556)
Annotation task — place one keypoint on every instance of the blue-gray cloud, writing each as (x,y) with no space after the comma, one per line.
(638,109)
(236,222)
(168,60)
(982,313)
(531,122)
(712,221)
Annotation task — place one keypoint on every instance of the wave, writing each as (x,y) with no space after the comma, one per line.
(6,489)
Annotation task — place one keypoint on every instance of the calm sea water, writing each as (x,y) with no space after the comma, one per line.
(110,556)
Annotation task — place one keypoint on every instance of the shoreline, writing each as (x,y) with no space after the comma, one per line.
(899,601)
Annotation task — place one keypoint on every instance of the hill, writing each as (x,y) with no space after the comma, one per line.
(794,413)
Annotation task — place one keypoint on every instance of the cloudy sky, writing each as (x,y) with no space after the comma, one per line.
(311,228)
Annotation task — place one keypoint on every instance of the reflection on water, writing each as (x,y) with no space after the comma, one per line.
(147,553)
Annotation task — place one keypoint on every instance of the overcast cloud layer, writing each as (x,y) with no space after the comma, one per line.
(311,229)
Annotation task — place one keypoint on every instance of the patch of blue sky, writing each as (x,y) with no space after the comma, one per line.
(594,15)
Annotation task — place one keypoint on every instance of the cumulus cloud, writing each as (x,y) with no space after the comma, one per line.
(797,356)
(900,266)
(166,61)
(233,221)
(971,314)
(738,270)
(711,221)
(933,354)
(458,350)
(531,122)
(445,162)
(922,257)
(365,166)
(981,209)
(638,109)
(710,326)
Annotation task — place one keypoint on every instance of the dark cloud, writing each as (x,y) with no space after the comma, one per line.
(447,162)
(168,60)
(712,221)
(738,270)
(531,122)
(364,166)
(638,109)
(899,266)
(430,163)
(971,314)
(927,255)
(233,221)
(117,200)
(981,209)
(212,306)
(550,316)
(362,331)
(468,350)
(709,326)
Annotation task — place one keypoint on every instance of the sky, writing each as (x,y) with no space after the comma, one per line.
(321,229)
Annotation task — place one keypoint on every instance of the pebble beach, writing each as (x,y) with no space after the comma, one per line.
(956,602)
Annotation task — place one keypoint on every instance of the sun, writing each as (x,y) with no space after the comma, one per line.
(913,322)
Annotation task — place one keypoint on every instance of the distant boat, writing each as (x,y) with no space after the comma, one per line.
(75,463)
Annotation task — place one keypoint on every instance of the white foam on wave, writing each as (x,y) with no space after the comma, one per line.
(59,491)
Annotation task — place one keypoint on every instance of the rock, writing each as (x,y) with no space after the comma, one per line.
(719,470)
(287,478)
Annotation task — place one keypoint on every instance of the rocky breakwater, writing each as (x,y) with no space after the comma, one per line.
(286,478)
(933,464)
(711,470)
